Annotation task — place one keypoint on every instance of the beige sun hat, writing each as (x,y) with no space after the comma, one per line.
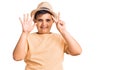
(44,6)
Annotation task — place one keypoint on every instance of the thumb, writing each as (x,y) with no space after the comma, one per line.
(34,24)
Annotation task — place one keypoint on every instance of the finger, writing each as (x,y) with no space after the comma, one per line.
(27,17)
(58,18)
(20,20)
(62,23)
(24,17)
(31,20)
(54,19)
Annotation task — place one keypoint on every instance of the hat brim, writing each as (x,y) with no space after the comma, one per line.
(34,12)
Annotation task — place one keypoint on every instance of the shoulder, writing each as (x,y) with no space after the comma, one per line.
(58,36)
(31,35)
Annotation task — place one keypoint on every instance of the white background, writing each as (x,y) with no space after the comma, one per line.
(95,24)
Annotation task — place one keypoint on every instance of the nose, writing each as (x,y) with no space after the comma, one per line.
(44,22)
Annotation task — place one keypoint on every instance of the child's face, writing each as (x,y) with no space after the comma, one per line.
(44,23)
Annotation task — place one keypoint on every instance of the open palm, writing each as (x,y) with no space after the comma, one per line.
(27,23)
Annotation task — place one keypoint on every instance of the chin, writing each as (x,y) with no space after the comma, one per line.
(44,32)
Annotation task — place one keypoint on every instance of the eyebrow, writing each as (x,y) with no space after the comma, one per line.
(45,19)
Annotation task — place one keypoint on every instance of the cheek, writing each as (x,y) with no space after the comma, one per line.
(37,25)
(50,23)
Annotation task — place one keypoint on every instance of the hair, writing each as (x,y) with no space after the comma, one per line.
(41,12)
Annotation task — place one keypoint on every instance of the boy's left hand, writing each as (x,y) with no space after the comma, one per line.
(59,23)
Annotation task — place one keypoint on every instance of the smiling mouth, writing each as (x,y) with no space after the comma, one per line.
(43,27)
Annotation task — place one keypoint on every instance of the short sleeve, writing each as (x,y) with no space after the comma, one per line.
(65,45)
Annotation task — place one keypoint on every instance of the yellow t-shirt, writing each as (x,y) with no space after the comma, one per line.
(45,52)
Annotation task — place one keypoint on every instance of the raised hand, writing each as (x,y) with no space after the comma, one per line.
(27,23)
(59,23)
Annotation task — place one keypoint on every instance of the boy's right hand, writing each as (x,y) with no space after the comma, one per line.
(27,23)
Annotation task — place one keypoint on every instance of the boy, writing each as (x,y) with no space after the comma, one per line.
(44,50)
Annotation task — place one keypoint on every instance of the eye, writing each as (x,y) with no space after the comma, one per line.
(48,20)
(39,20)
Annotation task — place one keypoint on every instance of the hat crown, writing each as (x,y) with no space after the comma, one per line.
(44,5)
